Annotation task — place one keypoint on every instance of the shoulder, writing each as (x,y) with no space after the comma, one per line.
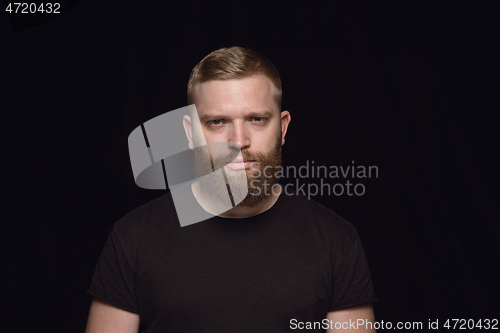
(337,233)
(157,212)
(315,212)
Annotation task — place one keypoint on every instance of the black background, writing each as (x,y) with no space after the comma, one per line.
(411,87)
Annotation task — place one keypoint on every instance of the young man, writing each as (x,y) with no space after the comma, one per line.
(275,262)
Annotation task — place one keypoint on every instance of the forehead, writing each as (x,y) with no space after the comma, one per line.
(236,96)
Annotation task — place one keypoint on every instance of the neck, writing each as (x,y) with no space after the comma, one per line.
(211,205)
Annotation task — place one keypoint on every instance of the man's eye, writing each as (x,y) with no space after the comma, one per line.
(215,122)
(258,119)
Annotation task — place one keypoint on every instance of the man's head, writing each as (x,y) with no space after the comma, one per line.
(237,93)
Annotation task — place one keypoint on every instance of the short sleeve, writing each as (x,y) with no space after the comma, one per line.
(114,277)
(352,285)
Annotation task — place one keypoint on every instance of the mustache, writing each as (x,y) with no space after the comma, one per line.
(220,160)
(247,156)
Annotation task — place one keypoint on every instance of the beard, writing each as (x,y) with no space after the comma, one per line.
(252,185)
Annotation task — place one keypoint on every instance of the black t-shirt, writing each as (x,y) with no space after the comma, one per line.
(297,260)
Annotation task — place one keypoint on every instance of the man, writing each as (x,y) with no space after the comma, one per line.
(272,263)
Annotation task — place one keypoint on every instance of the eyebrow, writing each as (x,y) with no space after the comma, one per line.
(260,114)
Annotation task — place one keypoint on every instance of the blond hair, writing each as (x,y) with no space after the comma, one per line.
(233,63)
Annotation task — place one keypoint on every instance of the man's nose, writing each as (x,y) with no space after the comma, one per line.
(238,136)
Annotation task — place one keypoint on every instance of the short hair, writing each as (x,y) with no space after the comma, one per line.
(233,63)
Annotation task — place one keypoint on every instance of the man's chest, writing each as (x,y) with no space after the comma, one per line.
(242,279)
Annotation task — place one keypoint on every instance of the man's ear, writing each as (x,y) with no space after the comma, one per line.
(285,120)
(188,128)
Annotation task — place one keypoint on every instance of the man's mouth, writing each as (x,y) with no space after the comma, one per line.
(240,164)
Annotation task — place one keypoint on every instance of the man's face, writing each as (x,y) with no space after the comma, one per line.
(243,114)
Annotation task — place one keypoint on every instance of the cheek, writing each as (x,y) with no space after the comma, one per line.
(199,137)
(276,138)
(265,143)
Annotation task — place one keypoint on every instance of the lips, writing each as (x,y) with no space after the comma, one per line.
(240,164)
(240,161)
